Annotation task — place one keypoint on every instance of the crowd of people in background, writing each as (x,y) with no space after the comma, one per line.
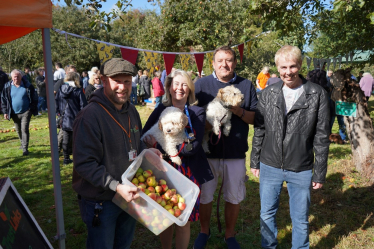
(91,100)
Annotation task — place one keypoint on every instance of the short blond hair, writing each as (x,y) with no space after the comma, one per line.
(91,80)
(289,53)
(169,80)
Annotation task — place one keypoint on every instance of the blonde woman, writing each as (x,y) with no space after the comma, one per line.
(69,101)
(180,93)
(94,80)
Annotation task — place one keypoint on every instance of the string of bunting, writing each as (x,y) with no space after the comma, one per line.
(106,49)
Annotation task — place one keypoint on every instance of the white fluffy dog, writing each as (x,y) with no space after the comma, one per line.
(169,131)
(218,112)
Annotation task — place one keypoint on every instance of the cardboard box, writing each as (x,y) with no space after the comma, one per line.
(145,210)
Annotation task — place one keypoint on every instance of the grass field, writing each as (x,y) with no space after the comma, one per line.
(341,214)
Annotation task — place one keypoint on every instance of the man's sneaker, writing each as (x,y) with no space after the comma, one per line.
(39,114)
(67,161)
(232,243)
(201,240)
(26,153)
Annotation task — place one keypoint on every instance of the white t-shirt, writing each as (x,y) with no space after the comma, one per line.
(59,74)
(291,95)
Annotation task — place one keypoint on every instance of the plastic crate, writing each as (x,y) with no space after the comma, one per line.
(148,212)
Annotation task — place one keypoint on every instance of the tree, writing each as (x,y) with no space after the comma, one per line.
(360,128)
(347,25)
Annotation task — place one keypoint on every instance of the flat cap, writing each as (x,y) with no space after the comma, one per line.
(116,66)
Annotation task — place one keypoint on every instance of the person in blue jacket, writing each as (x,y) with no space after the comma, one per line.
(69,101)
(19,101)
(180,93)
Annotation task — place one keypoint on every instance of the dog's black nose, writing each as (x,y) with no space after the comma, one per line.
(168,130)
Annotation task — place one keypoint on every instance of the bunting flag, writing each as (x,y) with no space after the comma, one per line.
(199,58)
(129,55)
(248,45)
(322,62)
(308,61)
(241,48)
(105,51)
(150,61)
(334,62)
(209,56)
(184,61)
(169,62)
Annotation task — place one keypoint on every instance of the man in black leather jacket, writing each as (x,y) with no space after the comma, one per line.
(291,145)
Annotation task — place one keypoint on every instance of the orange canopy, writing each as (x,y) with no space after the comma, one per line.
(20,17)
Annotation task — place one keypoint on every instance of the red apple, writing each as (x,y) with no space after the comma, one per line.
(158,199)
(174,199)
(181,199)
(151,189)
(182,205)
(142,186)
(164,187)
(147,173)
(161,182)
(173,191)
(153,196)
(168,195)
(177,212)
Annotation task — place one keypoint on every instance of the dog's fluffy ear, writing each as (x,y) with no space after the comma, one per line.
(160,124)
(220,93)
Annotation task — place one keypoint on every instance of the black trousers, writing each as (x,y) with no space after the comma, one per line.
(67,143)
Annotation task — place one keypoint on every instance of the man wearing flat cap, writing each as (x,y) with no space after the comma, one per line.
(106,137)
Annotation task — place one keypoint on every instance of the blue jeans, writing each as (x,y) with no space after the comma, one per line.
(116,229)
(133,97)
(342,130)
(158,101)
(298,185)
(42,104)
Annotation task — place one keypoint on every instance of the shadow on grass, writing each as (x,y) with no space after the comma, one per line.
(345,211)
(339,151)
(19,158)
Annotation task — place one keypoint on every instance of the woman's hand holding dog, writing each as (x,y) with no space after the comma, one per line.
(154,156)
(149,141)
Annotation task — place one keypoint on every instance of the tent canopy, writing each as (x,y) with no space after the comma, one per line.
(20,17)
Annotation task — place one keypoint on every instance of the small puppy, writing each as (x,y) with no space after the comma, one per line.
(218,112)
(335,138)
(169,132)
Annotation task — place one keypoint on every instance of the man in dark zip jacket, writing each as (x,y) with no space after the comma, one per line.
(19,101)
(290,144)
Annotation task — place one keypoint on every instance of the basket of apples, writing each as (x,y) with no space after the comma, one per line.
(166,197)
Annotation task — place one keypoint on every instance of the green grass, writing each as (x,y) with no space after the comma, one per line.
(341,214)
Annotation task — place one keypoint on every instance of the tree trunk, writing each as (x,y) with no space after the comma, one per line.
(360,128)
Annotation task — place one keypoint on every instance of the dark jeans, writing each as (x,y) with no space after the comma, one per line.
(67,143)
(133,97)
(116,229)
(42,104)
(60,136)
(22,122)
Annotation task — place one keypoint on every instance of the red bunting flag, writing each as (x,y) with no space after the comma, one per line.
(129,55)
(241,48)
(199,58)
(169,62)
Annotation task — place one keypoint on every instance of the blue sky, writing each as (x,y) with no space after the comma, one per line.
(109,4)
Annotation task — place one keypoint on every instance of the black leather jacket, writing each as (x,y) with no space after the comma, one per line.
(297,141)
